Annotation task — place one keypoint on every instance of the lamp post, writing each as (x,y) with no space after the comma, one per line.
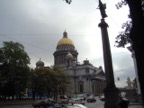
(111,92)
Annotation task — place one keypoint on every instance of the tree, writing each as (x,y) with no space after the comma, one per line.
(48,80)
(136,35)
(62,81)
(41,81)
(14,69)
(123,38)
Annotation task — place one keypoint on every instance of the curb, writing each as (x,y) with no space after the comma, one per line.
(15,103)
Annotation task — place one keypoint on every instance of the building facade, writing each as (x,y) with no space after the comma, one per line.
(85,78)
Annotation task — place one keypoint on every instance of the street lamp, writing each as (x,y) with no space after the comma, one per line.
(111,92)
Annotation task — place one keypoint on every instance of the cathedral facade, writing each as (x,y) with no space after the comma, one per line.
(85,78)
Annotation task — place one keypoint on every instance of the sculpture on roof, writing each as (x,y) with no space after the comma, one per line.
(129,83)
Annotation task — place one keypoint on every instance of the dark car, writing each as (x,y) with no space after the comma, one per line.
(39,103)
(91,98)
(43,103)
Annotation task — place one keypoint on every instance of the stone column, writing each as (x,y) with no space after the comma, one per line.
(111,92)
(74,75)
(135,66)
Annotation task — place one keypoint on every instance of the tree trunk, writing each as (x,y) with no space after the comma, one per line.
(136,36)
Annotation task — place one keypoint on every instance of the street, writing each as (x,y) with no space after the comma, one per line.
(97,104)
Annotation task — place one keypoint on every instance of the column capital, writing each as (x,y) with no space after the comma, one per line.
(103,23)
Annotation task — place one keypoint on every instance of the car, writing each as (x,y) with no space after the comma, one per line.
(91,98)
(102,98)
(81,96)
(76,106)
(79,106)
(63,99)
(39,103)
(43,103)
(74,100)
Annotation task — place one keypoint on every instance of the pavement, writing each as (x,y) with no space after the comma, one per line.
(135,106)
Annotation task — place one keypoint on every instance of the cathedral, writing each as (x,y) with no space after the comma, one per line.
(84,77)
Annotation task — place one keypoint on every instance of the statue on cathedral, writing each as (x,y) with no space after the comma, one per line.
(129,83)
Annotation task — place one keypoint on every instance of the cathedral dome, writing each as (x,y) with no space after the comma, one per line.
(69,56)
(39,63)
(65,40)
(65,50)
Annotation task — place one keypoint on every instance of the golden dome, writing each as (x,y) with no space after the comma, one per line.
(69,55)
(65,40)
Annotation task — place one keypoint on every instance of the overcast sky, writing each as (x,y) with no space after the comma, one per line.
(39,25)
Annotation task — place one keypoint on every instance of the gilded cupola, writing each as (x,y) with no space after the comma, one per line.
(65,43)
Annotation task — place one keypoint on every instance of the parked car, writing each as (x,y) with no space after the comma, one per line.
(40,103)
(63,99)
(76,99)
(91,98)
(76,106)
(81,96)
(43,103)
(102,98)
(79,106)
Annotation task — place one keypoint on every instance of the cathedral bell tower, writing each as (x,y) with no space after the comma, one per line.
(65,51)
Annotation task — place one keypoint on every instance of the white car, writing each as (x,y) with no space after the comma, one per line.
(76,106)
(102,97)
(76,101)
(79,106)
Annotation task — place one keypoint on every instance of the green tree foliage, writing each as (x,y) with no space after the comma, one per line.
(124,36)
(48,80)
(14,69)
(62,79)
(40,81)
